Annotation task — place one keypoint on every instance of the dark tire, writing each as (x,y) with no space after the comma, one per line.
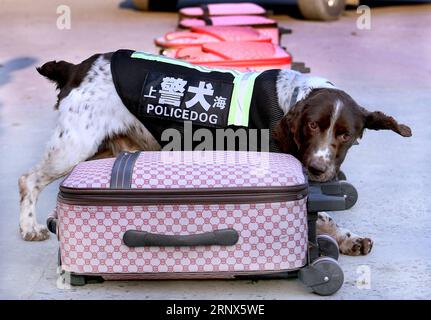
(328,247)
(323,10)
(77,280)
(341,175)
(142,4)
(350,193)
(332,273)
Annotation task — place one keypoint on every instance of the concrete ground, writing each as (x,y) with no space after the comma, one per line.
(386,68)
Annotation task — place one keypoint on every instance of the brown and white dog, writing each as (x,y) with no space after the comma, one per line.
(93,123)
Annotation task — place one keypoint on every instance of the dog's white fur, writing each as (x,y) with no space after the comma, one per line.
(87,116)
(92,113)
(288,80)
(323,153)
(324,149)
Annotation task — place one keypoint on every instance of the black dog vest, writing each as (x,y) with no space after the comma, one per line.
(164,93)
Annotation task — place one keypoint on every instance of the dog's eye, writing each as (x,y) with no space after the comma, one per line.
(345,137)
(313,125)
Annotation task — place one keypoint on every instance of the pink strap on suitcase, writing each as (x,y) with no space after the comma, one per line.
(241,20)
(223,9)
(248,55)
(200,35)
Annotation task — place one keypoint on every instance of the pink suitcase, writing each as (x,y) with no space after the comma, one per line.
(242,56)
(198,36)
(223,9)
(178,215)
(266,26)
(235,20)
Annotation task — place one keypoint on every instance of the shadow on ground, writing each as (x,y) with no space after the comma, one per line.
(9,67)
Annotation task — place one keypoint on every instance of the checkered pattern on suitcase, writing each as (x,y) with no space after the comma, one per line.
(194,170)
(273,236)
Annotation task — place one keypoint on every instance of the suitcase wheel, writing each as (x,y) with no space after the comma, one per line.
(333,276)
(341,176)
(328,247)
(350,194)
(76,280)
(80,280)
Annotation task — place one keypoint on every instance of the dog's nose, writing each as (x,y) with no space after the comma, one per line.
(317,167)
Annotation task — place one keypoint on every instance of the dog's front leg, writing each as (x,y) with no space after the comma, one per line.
(350,244)
(63,152)
(30,185)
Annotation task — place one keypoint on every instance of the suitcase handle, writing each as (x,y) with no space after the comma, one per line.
(223,237)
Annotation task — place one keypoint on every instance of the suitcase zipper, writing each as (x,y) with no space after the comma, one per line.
(181,196)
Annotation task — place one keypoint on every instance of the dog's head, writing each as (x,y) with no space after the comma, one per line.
(320,129)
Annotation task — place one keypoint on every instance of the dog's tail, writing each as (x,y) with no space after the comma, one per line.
(58,72)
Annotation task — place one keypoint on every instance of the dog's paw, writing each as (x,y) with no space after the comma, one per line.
(356,246)
(37,232)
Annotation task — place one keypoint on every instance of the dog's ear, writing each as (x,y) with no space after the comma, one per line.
(379,121)
(287,132)
(58,72)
